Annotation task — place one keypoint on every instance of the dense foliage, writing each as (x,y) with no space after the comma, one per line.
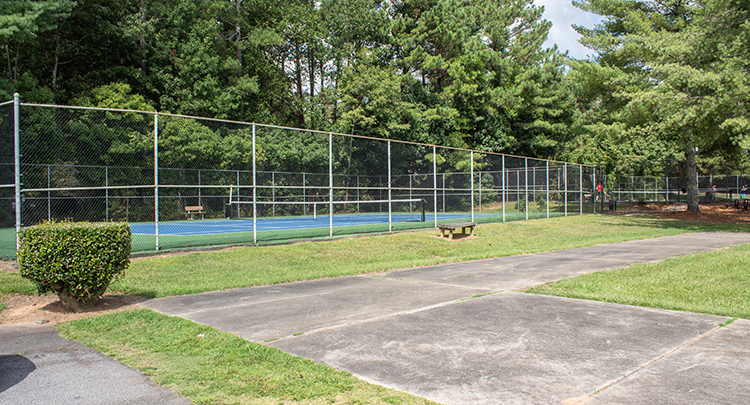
(671,81)
(668,76)
(76,261)
(462,73)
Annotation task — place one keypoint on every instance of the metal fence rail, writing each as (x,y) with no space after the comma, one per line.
(145,168)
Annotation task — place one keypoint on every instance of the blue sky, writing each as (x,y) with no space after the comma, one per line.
(562,14)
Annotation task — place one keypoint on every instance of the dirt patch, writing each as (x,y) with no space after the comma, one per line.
(34,308)
(715,213)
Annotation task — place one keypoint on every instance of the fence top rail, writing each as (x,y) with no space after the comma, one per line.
(6,103)
(288,128)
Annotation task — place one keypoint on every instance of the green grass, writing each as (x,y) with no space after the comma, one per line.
(252,266)
(209,366)
(712,282)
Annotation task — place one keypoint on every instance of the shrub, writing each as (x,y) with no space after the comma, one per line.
(521,205)
(541,202)
(76,261)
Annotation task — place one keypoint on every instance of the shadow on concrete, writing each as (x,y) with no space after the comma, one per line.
(13,370)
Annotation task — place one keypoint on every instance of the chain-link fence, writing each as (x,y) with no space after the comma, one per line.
(185,181)
(642,189)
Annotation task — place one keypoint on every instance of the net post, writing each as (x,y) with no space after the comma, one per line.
(17,158)
(156,181)
(229,202)
(422,203)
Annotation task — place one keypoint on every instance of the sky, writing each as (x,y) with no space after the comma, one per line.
(562,14)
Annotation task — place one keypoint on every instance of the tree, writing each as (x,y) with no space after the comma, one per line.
(675,69)
(20,22)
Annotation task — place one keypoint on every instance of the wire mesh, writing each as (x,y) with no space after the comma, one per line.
(175,179)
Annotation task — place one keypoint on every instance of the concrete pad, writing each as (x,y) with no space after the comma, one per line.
(509,347)
(515,272)
(37,366)
(712,370)
(272,312)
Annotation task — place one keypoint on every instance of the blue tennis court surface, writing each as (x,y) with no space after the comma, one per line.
(217,226)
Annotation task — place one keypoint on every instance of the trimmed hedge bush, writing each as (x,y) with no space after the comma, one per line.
(75,260)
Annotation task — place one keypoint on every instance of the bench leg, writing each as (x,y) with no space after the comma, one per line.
(450,234)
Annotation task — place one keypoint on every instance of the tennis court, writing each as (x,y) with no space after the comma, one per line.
(225,226)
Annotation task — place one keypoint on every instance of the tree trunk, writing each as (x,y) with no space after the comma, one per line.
(298,63)
(691,174)
(142,43)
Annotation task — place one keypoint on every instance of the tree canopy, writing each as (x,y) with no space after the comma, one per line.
(669,76)
(670,80)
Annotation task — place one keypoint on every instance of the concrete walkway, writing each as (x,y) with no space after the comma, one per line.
(37,366)
(459,334)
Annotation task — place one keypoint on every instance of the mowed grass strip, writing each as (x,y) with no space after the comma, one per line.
(252,266)
(209,366)
(713,282)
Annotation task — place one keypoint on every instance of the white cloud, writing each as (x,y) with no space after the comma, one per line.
(563,14)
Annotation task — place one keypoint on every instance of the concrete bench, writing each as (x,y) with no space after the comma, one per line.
(194,209)
(456,225)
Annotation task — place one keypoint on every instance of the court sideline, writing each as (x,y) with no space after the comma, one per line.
(460,334)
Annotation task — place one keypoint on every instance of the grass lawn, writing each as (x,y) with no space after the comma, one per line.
(252,266)
(711,282)
(209,366)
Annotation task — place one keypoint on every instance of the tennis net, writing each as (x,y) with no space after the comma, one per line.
(350,212)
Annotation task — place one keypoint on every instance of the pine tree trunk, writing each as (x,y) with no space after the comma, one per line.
(691,174)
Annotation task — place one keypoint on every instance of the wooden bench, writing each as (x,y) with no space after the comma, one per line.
(455,225)
(743,203)
(194,209)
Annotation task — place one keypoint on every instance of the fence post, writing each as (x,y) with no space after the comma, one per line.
(106,192)
(49,195)
(526,186)
(255,194)
(471,157)
(565,179)
(156,181)
(390,219)
(546,162)
(273,194)
(580,188)
(17,158)
(434,181)
(503,182)
(330,184)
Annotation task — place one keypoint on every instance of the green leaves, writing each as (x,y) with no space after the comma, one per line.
(77,261)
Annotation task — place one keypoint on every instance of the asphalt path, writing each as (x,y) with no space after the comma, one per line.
(37,366)
(462,334)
